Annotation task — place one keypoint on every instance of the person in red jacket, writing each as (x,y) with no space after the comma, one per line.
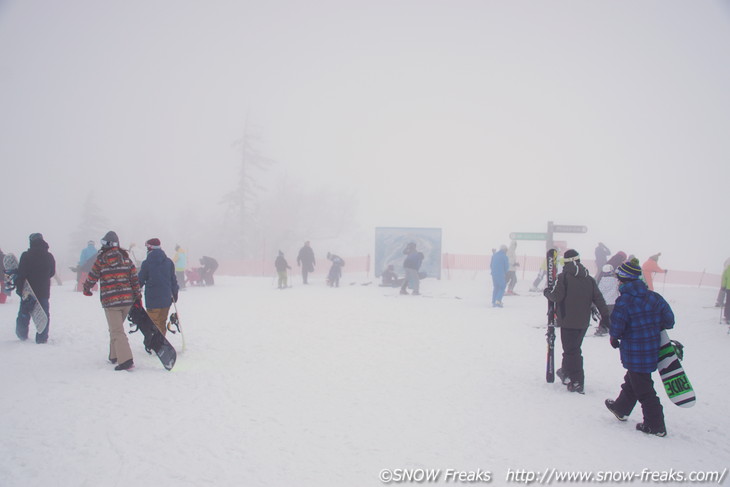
(649,268)
(119,289)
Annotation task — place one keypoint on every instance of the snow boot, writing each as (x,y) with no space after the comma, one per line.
(600,331)
(611,405)
(574,386)
(563,378)
(125,365)
(651,431)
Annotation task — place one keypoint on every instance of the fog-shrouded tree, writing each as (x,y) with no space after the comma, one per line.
(241,203)
(292,214)
(92,226)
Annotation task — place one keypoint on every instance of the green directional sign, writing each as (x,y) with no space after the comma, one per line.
(528,236)
(570,229)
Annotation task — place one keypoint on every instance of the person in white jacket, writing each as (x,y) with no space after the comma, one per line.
(608,285)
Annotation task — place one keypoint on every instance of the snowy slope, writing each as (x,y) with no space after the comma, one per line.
(313,386)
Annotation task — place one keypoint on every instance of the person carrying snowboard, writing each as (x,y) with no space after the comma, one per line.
(575,293)
(157,277)
(119,291)
(36,267)
(638,318)
(282,266)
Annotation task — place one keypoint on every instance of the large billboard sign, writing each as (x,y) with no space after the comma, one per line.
(391,241)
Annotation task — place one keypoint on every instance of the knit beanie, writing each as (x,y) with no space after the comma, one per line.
(571,255)
(629,271)
(35,236)
(153,243)
(110,239)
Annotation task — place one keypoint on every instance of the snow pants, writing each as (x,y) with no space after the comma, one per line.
(638,386)
(412,280)
(283,279)
(22,323)
(118,342)
(572,341)
(159,317)
(499,284)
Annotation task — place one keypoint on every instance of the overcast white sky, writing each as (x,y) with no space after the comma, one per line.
(479,117)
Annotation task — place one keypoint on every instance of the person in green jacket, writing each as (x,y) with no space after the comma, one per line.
(726,287)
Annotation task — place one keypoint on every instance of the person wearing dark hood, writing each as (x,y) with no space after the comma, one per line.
(157,277)
(119,291)
(411,266)
(306,260)
(210,265)
(282,266)
(637,321)
(36,267)
(602,254)
(575,292)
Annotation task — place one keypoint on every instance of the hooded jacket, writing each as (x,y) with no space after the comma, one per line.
(117,277)
(37,266)
(157,276)
(575,292)
(637,320)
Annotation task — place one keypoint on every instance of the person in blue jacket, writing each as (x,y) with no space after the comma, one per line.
(411,266)
(500,268)
(157,276)
(637,320)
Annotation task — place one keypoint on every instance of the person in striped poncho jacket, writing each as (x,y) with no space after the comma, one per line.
(119,291)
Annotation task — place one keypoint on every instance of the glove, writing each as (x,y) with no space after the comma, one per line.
(615,343)
(138,303)
(595,314)
(87,292)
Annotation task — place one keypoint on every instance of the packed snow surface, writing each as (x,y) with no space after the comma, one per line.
(319,386)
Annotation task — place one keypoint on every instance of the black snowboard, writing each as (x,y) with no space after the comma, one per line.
(154,341)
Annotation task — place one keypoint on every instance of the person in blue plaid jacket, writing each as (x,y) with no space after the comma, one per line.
(637,320)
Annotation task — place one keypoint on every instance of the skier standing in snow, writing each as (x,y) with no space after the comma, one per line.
(157,277)
(36,267)
(411,266)
(608,285)
(637,320)
(602,253)
(305,259)
(181,262)
(726,288)
(513,265)
(575,293)
(281,269)
(119,290)
(86,260)
(500,267)
(335,272)
(649,268)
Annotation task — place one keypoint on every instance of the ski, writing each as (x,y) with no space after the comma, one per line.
(552,270)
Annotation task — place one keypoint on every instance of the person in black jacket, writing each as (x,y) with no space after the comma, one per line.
(157,276)
(36,268)
(210,265)
(306,260)
(575,293)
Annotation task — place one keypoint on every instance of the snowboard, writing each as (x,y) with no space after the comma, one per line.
(552,272)
(154,341)
(27,295)
(676,383)
(175,320)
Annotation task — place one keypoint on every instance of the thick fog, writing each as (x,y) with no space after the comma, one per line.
(478,117)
